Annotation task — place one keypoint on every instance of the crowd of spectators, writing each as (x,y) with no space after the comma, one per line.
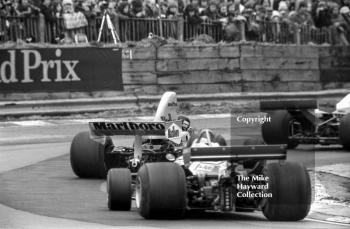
(314,13)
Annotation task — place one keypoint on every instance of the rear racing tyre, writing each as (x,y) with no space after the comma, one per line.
(87,157)
(119,189)
(220,139)
(161,191)
(344,131)
(290,186)
(277,131)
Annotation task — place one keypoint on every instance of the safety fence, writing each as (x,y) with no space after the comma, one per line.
(135,29)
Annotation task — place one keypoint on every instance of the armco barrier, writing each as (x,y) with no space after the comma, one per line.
(202,69)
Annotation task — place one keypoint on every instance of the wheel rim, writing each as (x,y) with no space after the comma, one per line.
(138,195)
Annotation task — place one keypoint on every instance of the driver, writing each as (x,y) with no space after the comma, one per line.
(186,124)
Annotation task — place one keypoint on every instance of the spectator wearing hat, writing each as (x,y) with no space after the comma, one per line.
(172,11)
(321,14)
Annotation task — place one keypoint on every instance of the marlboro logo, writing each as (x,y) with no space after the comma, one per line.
(128,126)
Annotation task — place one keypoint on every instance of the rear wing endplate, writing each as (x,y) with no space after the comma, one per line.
(235,153)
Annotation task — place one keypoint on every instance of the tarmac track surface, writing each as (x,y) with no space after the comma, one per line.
(50,188)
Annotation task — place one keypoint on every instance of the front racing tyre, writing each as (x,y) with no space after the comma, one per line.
(344,131)
(87,156)
(161,191)
(119,189)
(290,186)
(277,131)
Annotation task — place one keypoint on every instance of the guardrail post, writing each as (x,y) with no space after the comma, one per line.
(41,26)
(180,27)
(297,34)
(278,32)
(242,25)
(160,26)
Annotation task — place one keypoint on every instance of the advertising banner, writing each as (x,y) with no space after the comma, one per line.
(60,69)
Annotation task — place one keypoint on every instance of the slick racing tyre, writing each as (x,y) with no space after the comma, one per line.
(87,156)
(277,131)
(161,191)
(344,131)
(290,186)
(119,189)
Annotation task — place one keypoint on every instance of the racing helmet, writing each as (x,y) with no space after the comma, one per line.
(186,123)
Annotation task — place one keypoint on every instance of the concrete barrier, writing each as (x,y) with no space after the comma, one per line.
(222,68)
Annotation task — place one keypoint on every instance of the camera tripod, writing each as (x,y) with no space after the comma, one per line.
(110,26)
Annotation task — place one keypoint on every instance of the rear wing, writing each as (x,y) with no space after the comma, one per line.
(288,105)
(127,128)
(235,153)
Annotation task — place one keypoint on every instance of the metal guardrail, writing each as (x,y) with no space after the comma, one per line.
(135,29)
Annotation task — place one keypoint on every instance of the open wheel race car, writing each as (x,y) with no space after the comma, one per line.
(170,170)
(300,122)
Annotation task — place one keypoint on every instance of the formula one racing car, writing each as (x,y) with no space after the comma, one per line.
(295,122)
(170,169)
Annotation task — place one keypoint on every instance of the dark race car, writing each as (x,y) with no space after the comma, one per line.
(295,122)
(170,170)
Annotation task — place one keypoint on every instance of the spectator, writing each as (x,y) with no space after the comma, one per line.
(211,12)
(223,10)
(252,28)
(192,15)
(203,5)
(150,9)
(322,14)
(231,30)
(163,7)
(46,8)
(172,12)
(283,10)
(301,16)
(124,10)
(137,9)
(73,21)
(23,8)
(193,5)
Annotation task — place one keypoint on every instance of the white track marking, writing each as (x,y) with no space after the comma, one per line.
(328,222)
(342,169)
(103,187)
(32,123)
